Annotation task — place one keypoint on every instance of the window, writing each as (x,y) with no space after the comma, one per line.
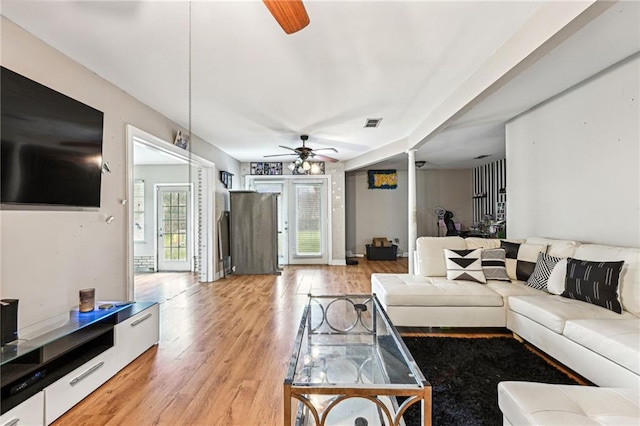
(138,211)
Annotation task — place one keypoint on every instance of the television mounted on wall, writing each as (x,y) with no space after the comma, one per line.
(50,147)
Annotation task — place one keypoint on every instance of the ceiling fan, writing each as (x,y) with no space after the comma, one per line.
(290,14)
(305,154)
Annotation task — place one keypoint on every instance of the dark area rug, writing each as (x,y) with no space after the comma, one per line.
(464,374)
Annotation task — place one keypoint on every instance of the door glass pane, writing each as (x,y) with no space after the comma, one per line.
(175,225)
(308,220)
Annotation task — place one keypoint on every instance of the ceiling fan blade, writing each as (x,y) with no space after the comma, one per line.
(324,149)
(279,155)
(286,147)
(325,158)
(290,14)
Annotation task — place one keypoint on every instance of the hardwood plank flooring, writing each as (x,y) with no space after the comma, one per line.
(224,349)
(162,286)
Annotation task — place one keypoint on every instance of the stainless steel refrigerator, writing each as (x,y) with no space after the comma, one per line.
(253,233)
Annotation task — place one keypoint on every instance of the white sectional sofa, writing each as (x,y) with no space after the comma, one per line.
(597,343)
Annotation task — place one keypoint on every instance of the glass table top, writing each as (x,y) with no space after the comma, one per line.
(348,340)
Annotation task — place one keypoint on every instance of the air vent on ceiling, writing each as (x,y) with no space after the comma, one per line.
(480,157)
(372,122)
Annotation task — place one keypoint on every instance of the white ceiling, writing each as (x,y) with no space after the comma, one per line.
(255,88)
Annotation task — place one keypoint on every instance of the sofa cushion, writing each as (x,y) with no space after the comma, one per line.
(513,288)
(412,290)
(521,258)
(528,403)
(557,248)
(615,339)
(430,255)
(494,264)
(464,265)
(541,272)
(483,243)
(594,282)
(629,287)
(553,311)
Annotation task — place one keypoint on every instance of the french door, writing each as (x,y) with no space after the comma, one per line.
(302,219)
(279,187)
(174,228)
(308,221)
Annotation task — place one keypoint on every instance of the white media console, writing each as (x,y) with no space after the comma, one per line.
(44,377)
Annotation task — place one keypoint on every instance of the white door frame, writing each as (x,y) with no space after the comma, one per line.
(209,264)
(190,224)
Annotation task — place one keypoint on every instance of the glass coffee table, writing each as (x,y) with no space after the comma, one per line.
(350,367)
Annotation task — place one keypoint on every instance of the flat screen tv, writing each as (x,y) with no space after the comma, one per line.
(50,148)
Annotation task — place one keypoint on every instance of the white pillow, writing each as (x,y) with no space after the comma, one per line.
(465,265)
(555,285)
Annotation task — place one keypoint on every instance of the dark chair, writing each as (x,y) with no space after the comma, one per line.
(451,227)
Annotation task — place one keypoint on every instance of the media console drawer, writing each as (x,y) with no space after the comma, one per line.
(75,386)
(137,334)
(29,413)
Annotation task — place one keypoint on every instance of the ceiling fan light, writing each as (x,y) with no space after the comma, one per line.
(315,168)
(291,166)
(305,165)
(300,170)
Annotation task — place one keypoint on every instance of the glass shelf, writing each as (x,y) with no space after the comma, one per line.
(77,321)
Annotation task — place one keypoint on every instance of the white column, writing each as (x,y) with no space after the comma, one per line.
(413,213)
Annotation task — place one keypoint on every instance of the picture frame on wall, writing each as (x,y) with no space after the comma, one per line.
(181,141)
(261,168)
(226,178)
(382,179)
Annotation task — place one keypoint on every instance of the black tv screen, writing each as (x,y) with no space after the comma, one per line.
(50,148)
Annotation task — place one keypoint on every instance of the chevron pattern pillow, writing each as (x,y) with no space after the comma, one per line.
(542,271)
(594,282)
(464,265)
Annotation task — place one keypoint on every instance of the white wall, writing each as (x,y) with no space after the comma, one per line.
(47,256)
(574,163)
(383,212)
(451,189)
(375,212)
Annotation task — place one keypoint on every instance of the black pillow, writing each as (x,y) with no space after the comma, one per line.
(594,282)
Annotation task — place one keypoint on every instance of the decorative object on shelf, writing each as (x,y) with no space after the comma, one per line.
(181,141)
(314,168)
(266,168)
(383,179)
(480,195)
(226,178)
(87,299)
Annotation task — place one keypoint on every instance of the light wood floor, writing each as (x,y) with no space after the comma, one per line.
(223,352)
(162,286)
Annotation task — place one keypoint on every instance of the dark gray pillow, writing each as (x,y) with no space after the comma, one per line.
(594,282)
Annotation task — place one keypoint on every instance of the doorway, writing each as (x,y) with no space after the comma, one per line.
(174,228)
(171,221)
(303,217)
